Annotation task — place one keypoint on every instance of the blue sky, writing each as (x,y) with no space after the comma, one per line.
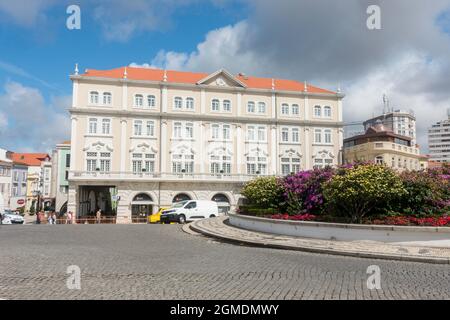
(325,42)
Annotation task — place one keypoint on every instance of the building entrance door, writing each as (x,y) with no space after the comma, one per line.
(141,208)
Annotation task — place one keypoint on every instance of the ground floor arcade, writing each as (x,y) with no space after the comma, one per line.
(127,202)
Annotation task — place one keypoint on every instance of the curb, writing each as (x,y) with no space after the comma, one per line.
(357,254)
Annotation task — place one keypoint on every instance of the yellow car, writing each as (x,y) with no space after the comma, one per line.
(156,218)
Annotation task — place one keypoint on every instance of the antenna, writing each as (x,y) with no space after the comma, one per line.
(385,104)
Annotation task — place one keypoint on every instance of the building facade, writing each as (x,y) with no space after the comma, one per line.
(60,176)
(380,145)
(399,122)
(5,179)
(439,141)
(18,186)
(35,178)
(143,138)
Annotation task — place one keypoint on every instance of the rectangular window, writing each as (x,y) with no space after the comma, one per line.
(226,132)
(250,107)
(295,135)
(93,126)
(285,109)
(261,134)
(150,128)
(137,127)
(215,132)
(285,135)
(318,136)
(261,107)
(106,126)
(177,130)
(327,136)
(67,160)
(251,133)
(295,109)
(189,130)
(215,105)
(227,105)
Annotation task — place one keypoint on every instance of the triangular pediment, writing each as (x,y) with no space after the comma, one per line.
(222,78)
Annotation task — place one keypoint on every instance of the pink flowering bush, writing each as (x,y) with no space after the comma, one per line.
(303,191)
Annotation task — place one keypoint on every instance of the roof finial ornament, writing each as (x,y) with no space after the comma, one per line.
(125,73)
(273,84)
(339,88)
(77,72)
(305,87)
(165,76)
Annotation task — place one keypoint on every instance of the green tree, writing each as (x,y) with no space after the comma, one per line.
(359,191)
(264,192)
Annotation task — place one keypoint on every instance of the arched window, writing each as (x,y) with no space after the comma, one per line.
(151,101)
(327,111)
(295,109)
(107,98)
(178,103)
(93,97)
(379,160)
(261,107)
(285,108)
(317,111)
(227,105)
(215,105)
(181,197)
(190,103)
(138,100)
(250,107)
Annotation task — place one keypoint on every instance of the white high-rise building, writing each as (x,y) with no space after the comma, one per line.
(439,140)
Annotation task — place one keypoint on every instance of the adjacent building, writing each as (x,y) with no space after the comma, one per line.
(6,165)
(18,186)
(143,138)
(400,122)
(439,141)
(380,145)
(35,179)
(60,175)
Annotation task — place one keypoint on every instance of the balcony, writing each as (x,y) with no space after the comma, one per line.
(155,177)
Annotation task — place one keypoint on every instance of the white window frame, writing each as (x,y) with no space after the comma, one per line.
(327,112)
(94,97)
(138,101)
(251,107)
(151,101)
(317,111)
(262,108)
(285,109)
(177,103)
(107,98)
(224,103)
(295,109)
(215,105)
(190,103)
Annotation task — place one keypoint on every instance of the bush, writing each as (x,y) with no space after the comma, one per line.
(264,192)
(362,190)
(303,191)
(424,192)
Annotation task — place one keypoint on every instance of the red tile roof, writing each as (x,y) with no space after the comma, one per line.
(30,159)
(150,74)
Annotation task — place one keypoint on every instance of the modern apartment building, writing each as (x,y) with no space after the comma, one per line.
(380,145)
(400,122)
(439,141)
(144,138)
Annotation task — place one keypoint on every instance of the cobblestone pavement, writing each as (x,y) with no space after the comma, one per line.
(220,228)
(161,261)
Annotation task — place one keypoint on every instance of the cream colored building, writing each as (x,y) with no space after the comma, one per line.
(143,138)
(382,146)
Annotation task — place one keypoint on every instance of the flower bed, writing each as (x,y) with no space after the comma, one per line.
(362,193)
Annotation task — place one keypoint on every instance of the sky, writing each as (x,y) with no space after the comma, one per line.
(325,42)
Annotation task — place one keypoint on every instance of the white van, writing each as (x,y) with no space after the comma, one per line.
(190,210)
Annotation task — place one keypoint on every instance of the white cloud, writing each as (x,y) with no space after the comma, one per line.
(327,43)
(25,12)
(29,122)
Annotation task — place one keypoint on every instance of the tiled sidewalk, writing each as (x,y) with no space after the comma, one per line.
(218,228)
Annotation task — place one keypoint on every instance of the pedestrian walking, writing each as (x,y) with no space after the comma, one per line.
(98,216)
(54,217)
(69,217)
(49,218)
(38,218)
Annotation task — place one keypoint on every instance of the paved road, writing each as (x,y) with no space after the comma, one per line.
(161,261)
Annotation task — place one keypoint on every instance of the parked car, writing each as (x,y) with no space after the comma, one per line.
(190,210)
(155,218)
(9,217)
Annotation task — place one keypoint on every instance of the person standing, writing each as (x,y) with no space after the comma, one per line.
(99,216)
(38,217)
(69,217)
